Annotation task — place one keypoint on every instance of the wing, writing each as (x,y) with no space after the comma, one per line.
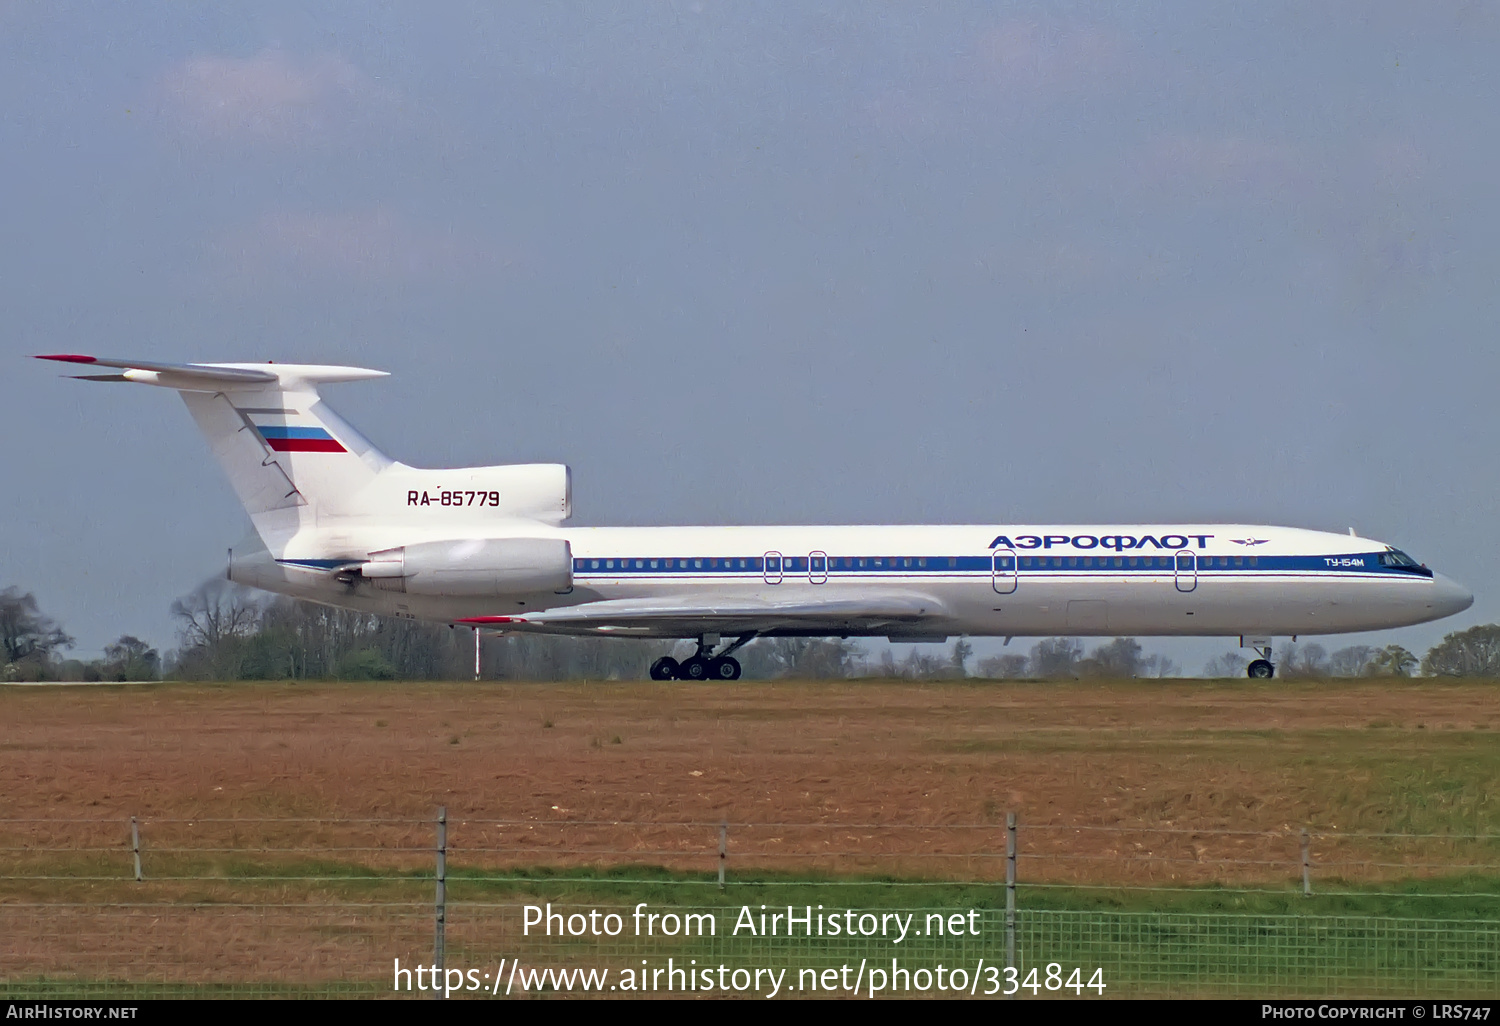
(898,613)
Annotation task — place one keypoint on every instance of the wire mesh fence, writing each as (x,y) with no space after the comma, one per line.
(487,907)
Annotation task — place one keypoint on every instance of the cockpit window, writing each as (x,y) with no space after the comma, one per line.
(1396,557)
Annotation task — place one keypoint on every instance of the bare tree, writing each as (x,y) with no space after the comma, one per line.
(1056,658)
(1158,665)
(214,611)
(1304,662)
(130,658)
(820,658)
(962,650)
(1120,658)
(1010,666)
(923,665)
(1230,664)
(214,621)
(1353,661)
(28,640)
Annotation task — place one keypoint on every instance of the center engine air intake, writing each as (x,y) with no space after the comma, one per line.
(474,568)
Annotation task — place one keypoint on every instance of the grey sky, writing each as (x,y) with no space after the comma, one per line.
(760,263)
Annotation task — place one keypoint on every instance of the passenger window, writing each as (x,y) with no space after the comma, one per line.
(594,565)
(1133,561)
(1254,560)
(1119,561)
(1057,561)
(952,562)
(1072,560)
(698,564)
(921,562)
(609,564)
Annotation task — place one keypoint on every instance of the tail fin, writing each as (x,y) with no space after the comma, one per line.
(317,491)
(286,452)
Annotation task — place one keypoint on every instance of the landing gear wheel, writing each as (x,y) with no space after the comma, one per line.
(727,668)
(1261,669)
(664,668)
(693,668)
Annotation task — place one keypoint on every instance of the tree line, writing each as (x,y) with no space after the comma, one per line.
(226,632)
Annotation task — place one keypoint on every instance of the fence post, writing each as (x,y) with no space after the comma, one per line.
(135,846)
(723,849)
(1306,864)
(442,899)
(476,653)
(1010,890)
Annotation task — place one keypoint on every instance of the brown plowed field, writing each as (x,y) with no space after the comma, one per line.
(831,777)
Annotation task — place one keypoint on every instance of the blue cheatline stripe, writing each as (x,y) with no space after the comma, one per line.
(270,431)
(1360,564)
(951,566)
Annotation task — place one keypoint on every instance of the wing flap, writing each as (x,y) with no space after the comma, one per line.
(688,617)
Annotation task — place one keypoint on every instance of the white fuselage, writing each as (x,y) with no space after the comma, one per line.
(339,522)
(1001,580)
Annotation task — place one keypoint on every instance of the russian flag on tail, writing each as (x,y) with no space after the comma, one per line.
(298,439)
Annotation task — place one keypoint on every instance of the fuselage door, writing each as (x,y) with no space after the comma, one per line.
(817,567)
(771,568)
(1004,574)
(1186,570)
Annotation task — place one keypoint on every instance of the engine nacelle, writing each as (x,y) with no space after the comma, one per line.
(474,568)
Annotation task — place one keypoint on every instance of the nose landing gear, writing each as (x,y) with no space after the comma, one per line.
(1262,668)
(703,664)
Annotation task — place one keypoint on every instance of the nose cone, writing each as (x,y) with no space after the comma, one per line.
(1449,597)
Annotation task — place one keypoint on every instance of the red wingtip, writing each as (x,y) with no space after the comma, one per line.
(490,619)
(69,358)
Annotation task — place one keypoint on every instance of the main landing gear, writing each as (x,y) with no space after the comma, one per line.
(703,664)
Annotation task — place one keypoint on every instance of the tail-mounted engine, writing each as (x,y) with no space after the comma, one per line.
(474,568)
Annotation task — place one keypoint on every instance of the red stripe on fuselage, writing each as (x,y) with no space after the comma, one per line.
(305,445)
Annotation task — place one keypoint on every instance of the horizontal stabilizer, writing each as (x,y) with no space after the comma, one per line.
(216,377)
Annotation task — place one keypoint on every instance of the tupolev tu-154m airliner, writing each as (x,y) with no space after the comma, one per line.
(338,522)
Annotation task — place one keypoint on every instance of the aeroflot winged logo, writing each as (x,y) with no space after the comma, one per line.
(1117,542)
(1249,541)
